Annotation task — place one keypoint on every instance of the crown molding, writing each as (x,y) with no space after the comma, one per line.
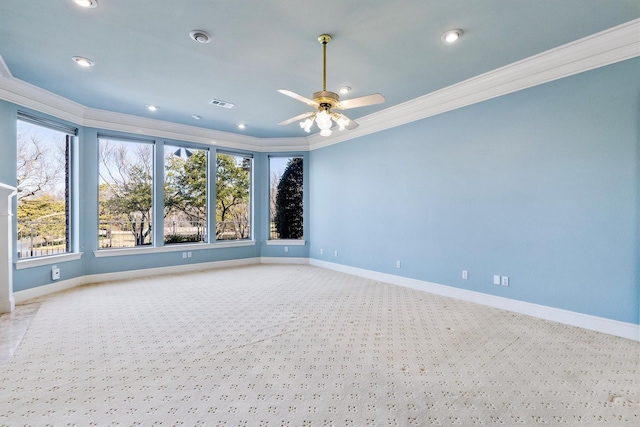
(606,47)
(598,50)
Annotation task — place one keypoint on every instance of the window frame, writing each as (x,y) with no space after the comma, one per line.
(71,193)
(154,202)
(285,242)
(207,216)
(214,198)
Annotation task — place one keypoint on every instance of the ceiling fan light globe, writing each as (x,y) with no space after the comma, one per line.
(324,120)
(342,122)
(306,125)
(325,132)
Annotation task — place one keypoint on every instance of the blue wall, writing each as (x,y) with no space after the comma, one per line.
(540,185)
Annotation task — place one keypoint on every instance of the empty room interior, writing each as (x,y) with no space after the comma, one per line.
(292,213)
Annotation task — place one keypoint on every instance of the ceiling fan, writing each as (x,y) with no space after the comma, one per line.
(325,101)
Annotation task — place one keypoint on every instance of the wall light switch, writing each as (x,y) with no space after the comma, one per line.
(496,280)
(55,273)
(335,253)
(321,251)
(286,248)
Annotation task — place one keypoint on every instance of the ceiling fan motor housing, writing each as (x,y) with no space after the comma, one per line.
(327,98)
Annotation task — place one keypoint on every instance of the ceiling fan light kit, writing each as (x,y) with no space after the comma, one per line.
(324,101)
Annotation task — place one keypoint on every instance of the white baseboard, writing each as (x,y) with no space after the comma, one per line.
(585,321)
(279,260)
(40,291)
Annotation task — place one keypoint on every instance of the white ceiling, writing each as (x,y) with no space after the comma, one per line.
(144,55)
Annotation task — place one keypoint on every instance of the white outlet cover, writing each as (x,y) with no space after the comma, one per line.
(465,274)
(505,281)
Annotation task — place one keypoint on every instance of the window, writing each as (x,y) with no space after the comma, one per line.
(43,177)
(185,195)
(233,196)
(286,195)
(125,192)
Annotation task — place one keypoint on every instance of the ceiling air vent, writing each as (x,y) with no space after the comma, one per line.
(220,103)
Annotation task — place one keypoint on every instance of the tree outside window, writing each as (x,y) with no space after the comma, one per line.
(286,197)
(42,166)
(125,193)
(233,192)
(185,195)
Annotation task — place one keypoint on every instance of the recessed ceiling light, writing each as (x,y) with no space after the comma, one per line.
(86,3)
(152,108)
(345,89)
(451,35)
(200,36)
(83,62)
(242,126)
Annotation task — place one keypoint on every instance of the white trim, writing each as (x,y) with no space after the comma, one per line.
(285,242)
(178,247)
(7,301)
(585,321)
(606,47)
(284,260)
(47,260)
(40,291)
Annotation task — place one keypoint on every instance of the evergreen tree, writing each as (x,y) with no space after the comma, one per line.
(288,217)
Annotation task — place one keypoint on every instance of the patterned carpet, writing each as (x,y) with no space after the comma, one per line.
(274,345)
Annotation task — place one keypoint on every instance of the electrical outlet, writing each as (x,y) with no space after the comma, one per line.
(184,255)
(505,281)
(465,274)
(496,280)
(55,273)
(335,253)
(321,251)
(397,264)
(286,248)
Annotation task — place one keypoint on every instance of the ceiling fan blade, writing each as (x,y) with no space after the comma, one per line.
(297,118)
(300,98)
(362,101)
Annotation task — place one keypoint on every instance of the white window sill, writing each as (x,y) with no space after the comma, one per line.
(286,242)
(47,260)
(178,247)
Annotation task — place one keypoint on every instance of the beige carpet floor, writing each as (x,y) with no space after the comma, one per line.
(274,345)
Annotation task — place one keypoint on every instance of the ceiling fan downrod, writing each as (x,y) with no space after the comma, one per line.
(324,39)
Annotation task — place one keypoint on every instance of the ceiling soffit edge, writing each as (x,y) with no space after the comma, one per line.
(606,47)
